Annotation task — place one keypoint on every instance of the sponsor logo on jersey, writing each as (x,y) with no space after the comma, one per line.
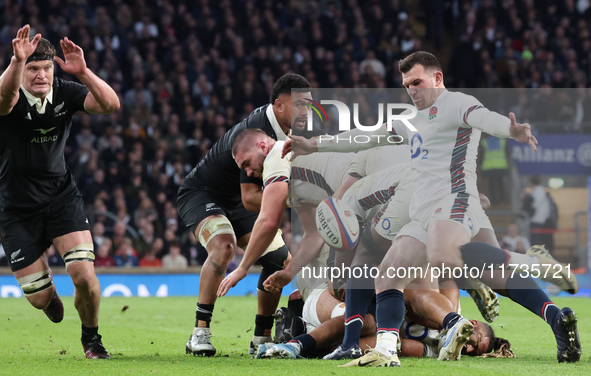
(432,113)
(44,131)
(41,140)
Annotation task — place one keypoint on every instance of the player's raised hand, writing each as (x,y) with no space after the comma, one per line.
(22,46)
(74,58)
(522,132)
(230,281)
(276,281)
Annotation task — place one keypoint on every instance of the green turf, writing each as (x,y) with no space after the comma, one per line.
(150,337)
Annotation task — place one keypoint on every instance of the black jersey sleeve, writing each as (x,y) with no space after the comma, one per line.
(74,95)
(244,178)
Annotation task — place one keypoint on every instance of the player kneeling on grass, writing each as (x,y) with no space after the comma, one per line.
(39,202)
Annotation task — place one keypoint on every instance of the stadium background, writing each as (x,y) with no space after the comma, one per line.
(186,71)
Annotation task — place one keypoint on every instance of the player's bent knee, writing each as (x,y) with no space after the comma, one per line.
(214,227)
(83,252)
(38,288)
(221,251)
(272,262)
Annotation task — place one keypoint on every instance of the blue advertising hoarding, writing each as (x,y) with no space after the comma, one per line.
(142,285)
(558,154)
(163,285)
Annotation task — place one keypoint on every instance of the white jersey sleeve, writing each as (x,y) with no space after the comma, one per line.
(475,115)
(275,168)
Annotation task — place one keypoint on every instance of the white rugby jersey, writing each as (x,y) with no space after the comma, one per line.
(379,158)
(444,148)
(276,168)
(316,177)
(368,195)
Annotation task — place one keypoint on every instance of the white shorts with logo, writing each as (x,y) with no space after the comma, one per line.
(394,214)
(458,207)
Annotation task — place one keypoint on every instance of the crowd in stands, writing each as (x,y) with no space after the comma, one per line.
(186,72)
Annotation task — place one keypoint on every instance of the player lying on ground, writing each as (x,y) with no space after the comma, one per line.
(322,325)
(40,204)
(220,204)
(445,204)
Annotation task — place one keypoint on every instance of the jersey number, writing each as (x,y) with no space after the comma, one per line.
(415,147)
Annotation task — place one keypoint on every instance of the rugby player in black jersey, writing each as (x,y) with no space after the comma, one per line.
(39,202)
(219,203)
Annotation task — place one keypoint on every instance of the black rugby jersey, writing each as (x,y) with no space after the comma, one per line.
(33,169)
(217,171)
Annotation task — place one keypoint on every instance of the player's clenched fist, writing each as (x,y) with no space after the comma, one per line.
(22,46)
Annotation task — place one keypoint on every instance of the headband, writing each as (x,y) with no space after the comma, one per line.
(37,57)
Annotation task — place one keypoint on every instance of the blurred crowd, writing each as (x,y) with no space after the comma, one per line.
(186,71)
(526,44)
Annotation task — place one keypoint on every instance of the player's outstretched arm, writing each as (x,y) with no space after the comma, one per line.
(102,99)
(10,81)
(345,142)
(264,230)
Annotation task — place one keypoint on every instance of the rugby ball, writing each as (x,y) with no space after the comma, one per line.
(337,224)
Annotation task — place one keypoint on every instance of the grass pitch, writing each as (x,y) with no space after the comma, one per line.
(149,338)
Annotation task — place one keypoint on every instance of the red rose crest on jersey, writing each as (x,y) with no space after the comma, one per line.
(438,211)
(347,213)
(432,112)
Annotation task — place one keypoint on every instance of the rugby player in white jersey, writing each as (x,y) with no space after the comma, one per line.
(260,156)
(445,204)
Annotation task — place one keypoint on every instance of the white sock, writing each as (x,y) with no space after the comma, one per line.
(386,343)
(259,340)
(430,352)
(207,330)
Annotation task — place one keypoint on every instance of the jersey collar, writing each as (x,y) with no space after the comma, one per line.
(275,124)
(36,102)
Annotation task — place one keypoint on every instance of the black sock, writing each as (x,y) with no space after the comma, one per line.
(203,313)
(90,334)
(262,323)
(389,311)
(450,320)
(307,344)
(527,293)
(357,300)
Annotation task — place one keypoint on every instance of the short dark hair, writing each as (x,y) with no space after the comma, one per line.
(287,82)
(535,180)
(424,58)
(246,138)
(175,244)
(44,50)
